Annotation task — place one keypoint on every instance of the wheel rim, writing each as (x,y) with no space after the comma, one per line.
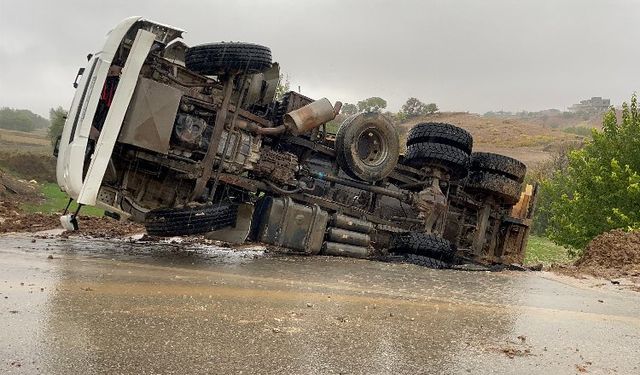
(371,147)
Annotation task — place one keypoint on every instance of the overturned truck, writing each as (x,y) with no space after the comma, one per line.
(192,140)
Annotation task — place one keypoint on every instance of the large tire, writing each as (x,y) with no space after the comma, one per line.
(187,221)
(425,261)
(367,147)
(437,132)
(498,164)
(450,158)
(502,187)
(228,58)
(423,244)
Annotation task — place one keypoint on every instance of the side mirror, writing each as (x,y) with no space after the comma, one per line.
(56,146)
(78,75)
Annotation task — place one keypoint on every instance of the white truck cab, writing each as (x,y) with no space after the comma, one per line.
(84,151)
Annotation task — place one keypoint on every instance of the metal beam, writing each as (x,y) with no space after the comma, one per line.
(214,141)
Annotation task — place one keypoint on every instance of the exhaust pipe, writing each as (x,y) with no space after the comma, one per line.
(311,116)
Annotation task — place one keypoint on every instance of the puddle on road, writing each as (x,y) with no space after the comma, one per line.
(171,251)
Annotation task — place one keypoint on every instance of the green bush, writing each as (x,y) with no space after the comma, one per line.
(599,190)
(57,117)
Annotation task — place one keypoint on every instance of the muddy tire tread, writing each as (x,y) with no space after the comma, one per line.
(423,244)
(502,187)
(439,132)
(231,57)
(499,164)
(188,221)
(425,261)
(451,158)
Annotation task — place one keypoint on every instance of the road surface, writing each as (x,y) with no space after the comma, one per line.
(122,307)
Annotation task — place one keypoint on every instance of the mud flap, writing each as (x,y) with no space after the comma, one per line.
(237,234)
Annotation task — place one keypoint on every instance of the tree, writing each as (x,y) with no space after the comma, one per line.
(349,109)
(57,117)
(557,163)
(414,108)
(21,119)
(373,104)
(432,108)
(283,86)
(600,188)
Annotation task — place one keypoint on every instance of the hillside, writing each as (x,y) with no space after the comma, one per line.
(15,141)
(527,141)
(552,118)
(27,155)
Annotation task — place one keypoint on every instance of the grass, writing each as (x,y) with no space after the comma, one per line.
(55,201)
(542,250)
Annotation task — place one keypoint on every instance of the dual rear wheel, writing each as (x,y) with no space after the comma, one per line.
(496,175)
(439,145)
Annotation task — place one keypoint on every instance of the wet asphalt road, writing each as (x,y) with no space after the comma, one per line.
(112,307)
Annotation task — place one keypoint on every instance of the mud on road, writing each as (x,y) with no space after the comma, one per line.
(109,306)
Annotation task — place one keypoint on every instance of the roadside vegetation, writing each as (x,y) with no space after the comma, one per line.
(595,188)
(542,250)
(55,200)
(57,116)
(412,108)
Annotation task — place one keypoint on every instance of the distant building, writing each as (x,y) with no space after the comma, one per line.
(594,105)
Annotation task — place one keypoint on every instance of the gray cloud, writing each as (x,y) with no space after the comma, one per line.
(464,55)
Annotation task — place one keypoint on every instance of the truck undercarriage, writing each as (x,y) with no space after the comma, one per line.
(192,140)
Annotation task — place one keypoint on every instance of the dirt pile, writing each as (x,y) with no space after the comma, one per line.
(104,227)
(12,219)
(14,192)
(612,254)
(13,189)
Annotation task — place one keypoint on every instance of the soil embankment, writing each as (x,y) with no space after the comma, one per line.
(14,192)
(612,254)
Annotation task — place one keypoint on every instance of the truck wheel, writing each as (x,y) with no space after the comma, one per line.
(424,245)
(367,147)
(499,164)
(453,159)
(186,221)
(438,132)
(425,261)
(228,58)
(501,187)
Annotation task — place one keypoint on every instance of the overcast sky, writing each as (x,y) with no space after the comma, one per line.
(466,55)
